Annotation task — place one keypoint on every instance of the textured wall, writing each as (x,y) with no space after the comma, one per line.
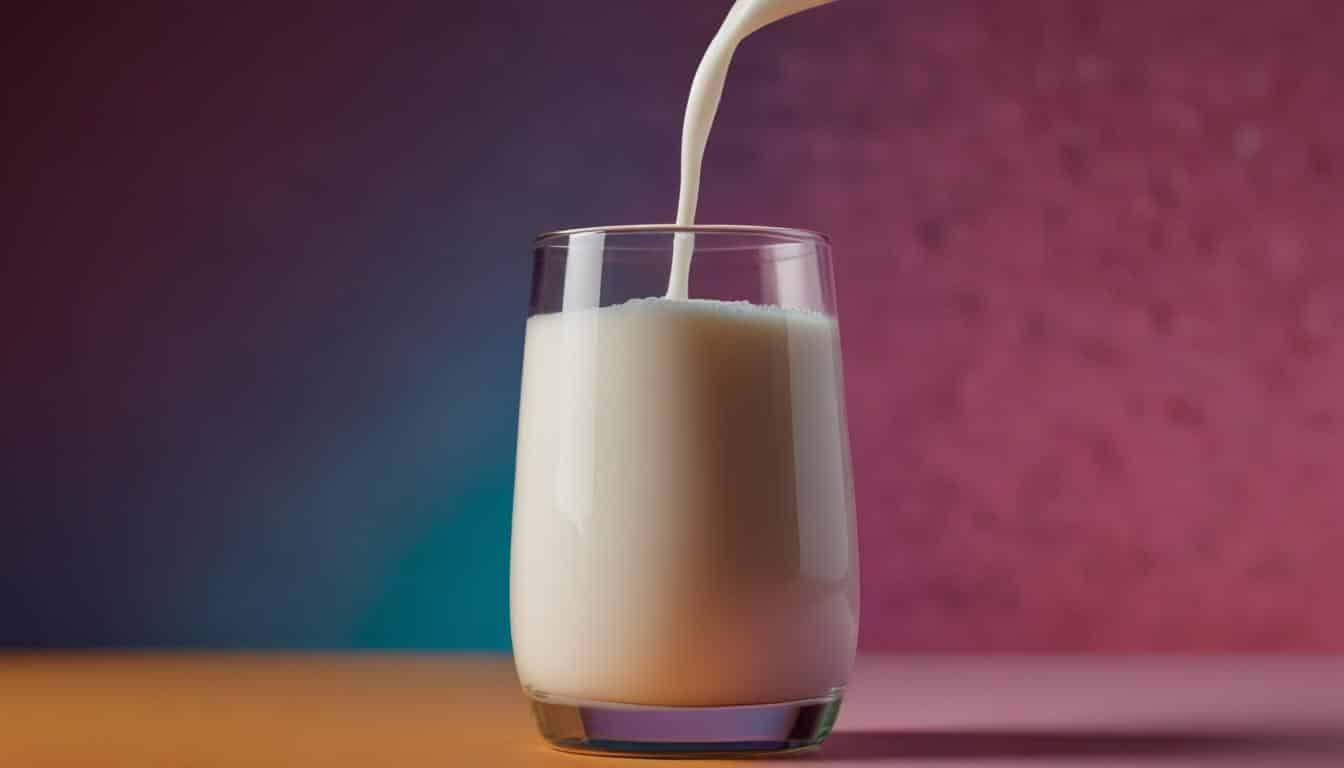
(1092,295)
(1087,256)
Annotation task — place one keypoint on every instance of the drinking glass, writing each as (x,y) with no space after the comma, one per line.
(684,572)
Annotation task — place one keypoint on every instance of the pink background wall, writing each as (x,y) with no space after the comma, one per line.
(1092,291)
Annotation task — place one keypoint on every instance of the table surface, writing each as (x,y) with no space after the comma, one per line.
(360,710)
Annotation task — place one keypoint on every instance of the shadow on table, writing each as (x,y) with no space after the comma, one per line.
(868,745)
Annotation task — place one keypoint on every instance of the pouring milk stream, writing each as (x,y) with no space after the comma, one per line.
(745,17)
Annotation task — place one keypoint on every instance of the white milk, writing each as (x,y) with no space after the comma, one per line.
(683,530)
(683,516)
(745,17)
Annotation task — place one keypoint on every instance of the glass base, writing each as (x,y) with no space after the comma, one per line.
(604,728)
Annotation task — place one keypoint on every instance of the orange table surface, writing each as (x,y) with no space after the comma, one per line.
(149,709)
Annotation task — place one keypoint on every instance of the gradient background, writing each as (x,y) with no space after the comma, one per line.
(266,268)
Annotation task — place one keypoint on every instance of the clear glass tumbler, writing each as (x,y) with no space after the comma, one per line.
(684,565)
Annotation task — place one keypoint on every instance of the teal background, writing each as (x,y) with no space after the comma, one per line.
(267,269)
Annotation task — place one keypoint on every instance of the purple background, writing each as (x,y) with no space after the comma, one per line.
(266,268)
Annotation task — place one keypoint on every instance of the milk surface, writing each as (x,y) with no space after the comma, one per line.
(683,515)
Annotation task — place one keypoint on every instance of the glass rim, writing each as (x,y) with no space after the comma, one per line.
(795,233)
